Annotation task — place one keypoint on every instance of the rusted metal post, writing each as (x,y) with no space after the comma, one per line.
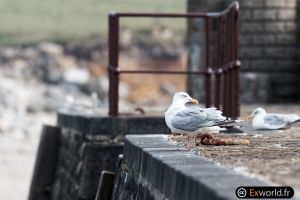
(225,70)
(208,71)
(220,55)
(230,65)
(237,64)
(113,39)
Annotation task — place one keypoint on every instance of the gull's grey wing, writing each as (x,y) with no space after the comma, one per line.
(275,120)
(190,119)
(214,114)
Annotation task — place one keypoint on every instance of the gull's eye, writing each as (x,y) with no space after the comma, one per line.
(184,95)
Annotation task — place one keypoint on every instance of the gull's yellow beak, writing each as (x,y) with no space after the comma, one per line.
(250,117)
(195,101)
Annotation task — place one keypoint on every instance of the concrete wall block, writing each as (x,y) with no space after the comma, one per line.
(287,14)
(254,87)
(285,78)
(270,14)
(64,137)
(175,173)
(286,91)
(290,64)
(98,157)
(246,64)
(262,63)
(286,39)
(280,52)
(297,5)
(275,26)
(273,65)
(268,39)
(291,26)
(251,52)
(291,3)
(193,6)
(148,125)
(75,140)
(275,3)
(252,3)
(245,40)
(251,27)
(263,39)
(246,14)
(282,88)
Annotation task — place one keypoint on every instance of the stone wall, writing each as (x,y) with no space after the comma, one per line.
(155,167)
(268,47)
(89,144)
(80,164)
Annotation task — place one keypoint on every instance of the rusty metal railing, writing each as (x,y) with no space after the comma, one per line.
(226,71)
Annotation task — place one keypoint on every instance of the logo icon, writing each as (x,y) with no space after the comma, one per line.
(241,192)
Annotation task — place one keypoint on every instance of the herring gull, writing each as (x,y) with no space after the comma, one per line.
(272,121)
(183,118)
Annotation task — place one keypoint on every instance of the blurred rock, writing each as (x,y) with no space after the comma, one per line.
(165,53)
(79,76)
(85,50)
(38,80)
(126,38)
(100,86)
(51,48)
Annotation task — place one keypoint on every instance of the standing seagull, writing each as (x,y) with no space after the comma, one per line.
(182,118)
(272,121)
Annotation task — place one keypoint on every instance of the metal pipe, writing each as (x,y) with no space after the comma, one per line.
(219,72)
(159,72)
(228,65)
(237,65)
(226,69)
(180,15)
(164,15)
(113,58)
(208,71)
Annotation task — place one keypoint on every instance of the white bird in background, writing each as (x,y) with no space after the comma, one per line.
(272,121)
(183,118)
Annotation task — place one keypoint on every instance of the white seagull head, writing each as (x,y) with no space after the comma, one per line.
(183,98)
(256,112)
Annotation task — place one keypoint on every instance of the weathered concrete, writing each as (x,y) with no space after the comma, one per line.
(105,125)
(156,168)
(90,144)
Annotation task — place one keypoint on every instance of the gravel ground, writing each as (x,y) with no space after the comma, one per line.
(273,156)
(16,165)
(17,157)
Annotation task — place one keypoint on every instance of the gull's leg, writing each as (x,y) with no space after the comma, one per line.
(198,136)
(176,136)
(173,136)
(189,145)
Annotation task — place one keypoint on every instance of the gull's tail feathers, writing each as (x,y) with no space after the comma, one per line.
(289,125)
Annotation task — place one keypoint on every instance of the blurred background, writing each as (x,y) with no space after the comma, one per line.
(53,55)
